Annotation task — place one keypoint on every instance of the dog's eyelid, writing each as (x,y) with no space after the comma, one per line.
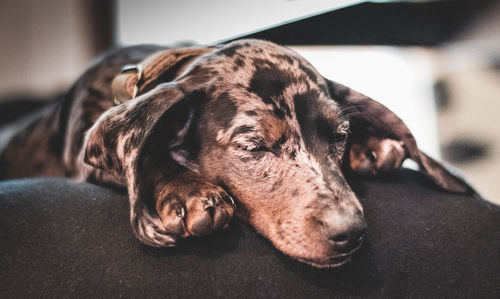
(252,148)
(339,136)
(260,147)
(251,136)
(251,144)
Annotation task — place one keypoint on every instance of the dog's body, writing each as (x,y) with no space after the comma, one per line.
(250,120)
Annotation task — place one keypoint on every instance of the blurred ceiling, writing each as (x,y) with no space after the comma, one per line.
(403,23)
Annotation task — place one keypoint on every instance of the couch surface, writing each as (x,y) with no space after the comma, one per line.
(60,238)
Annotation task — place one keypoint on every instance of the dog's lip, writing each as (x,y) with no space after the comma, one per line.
(334,261)
(331,262)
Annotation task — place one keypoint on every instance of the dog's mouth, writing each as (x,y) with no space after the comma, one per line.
(331,262)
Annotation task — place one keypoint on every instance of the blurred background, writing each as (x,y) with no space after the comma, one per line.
(435,63)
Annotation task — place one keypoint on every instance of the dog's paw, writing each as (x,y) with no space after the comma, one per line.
(376,155)
(149,228)
(194,209)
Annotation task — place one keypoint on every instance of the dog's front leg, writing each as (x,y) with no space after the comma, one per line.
(188,205)
(374,155)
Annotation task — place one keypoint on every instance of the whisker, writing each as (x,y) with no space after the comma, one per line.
(350,107)
(347,116)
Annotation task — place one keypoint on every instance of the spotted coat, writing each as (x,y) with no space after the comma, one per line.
(249,129)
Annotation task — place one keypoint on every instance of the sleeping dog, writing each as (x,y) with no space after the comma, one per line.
(199,135)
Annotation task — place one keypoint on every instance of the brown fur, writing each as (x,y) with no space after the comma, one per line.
(248,128)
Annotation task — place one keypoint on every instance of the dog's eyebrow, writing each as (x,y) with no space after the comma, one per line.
(276,146)
(330,115)
(242,130)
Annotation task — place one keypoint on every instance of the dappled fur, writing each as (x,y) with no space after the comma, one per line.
(248,129)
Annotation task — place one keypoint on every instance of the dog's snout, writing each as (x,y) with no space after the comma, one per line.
(345,230)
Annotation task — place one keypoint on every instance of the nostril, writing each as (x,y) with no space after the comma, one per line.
(340,238)
(347,235)
(346,242)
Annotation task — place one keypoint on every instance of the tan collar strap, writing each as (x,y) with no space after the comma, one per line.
(134,78)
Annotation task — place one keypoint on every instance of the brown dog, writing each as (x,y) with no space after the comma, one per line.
(249,128)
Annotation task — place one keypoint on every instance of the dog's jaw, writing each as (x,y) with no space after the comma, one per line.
(335,261)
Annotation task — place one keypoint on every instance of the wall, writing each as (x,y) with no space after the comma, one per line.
(45,45)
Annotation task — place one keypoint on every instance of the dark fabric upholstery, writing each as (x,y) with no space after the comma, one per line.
(60,238)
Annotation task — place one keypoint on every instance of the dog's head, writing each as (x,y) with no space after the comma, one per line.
(260,121)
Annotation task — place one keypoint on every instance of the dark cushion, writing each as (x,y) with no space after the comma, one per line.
(62,238)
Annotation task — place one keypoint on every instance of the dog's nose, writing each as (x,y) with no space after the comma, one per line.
(345,230)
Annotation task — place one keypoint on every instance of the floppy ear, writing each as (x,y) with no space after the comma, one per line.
(116,143)
(370,118)
(116,140)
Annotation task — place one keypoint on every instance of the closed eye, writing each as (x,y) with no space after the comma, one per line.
(332,133)
(259,148)
(253,147)
(338,137)
(337,144)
